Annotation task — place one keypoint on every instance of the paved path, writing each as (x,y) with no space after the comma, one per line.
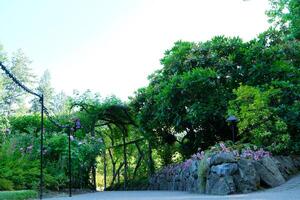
(288,191)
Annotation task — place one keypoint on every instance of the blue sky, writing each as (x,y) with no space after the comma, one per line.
(111,46)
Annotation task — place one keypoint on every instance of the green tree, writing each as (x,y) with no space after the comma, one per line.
(286,15)
(60,103)
(44,88)
(13,98)
(186,101)
(258,119)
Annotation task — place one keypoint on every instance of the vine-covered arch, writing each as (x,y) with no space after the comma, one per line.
(107,121)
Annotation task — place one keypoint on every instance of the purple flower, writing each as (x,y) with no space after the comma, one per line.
(187,164)
(71,137)
(198,155)
(223,147)
(256,155)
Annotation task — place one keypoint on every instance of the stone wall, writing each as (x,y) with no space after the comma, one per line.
(225,174)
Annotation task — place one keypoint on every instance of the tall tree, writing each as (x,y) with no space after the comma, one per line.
(186,101)
(44,87)
(14,98)
(60,103)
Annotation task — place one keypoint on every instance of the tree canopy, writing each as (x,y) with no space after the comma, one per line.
(187,101)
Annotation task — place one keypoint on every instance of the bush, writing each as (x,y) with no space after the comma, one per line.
(20,161)
(259,122)
(18,170)
(18,195)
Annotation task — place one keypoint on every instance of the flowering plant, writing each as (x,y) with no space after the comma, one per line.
(239,151)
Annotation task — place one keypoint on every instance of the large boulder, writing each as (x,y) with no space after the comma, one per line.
(296,160)
(285,165)
(225,169)
(268,172)
(220,185)
(247,179)
(223,157)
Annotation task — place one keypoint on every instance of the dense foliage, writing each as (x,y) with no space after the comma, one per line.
(181,113)
(20,166)
(200,84)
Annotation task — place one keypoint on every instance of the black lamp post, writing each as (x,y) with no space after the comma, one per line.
(232,120)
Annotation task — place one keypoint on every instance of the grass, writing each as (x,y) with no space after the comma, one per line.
(18,195)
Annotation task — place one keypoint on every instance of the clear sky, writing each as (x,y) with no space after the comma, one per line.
(111,46)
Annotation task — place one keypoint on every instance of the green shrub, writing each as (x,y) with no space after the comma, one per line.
(18,195)
(18,170)
(259,122)
(6,184)
(203,169)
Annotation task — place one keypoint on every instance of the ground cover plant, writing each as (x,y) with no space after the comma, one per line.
(18,195)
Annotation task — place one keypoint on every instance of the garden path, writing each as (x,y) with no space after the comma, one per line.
(288,191)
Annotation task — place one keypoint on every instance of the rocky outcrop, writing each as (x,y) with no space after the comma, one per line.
(226,174)
(223,157)
(269,172)
(180,178)
(247,178)
(286,165)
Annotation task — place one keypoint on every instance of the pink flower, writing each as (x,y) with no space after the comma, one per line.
(223,147)
(187,163)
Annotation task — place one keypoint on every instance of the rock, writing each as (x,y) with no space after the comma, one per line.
(296,160)
(223,157)
(281,168)
(176,185)
(195,185)
(285,165)
(220,185)
(268,172)
(224,169)
(152,183)
(247,179)
(198,184)
(194,166)
(162,181)
(224,174)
